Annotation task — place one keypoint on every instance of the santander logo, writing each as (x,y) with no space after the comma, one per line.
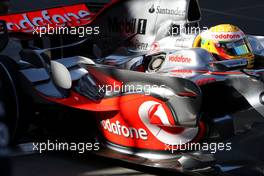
(152,9)
(75,15)
(152,113)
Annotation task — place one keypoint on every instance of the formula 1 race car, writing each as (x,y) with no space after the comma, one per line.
(151,103)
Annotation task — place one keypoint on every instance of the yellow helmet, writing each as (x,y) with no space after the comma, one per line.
(227,41)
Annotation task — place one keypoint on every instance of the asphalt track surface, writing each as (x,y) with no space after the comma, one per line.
(249,15)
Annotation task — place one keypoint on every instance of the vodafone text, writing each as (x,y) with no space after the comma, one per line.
(226,36)
(180,59)
(121,130)
(53,17)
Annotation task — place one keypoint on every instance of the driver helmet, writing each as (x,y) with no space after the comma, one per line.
(226,41)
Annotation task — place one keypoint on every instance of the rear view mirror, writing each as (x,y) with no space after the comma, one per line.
(227,65)
(194,12)
(3,35)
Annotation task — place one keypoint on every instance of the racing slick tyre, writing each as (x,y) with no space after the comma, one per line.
(4,135)
(10,106)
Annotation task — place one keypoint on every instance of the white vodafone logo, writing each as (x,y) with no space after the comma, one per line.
(121,130)
(187,135)
(52,17)
(223,36)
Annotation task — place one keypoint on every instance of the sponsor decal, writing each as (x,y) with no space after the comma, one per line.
(127,25)
(152,9)
(226,36)
(223,36)
(155,47)
(181,41)
(157,115)
(122,130)
(182,71)
(76,15)
(165,11)
(141,46)
(180,59)
(153,114)
(138,45)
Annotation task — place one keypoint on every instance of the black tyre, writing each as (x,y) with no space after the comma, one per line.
(4,135)
(10,107)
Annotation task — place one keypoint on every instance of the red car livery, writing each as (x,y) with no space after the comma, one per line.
(75,15)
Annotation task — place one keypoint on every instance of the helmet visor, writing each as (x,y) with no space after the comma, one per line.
(237,48)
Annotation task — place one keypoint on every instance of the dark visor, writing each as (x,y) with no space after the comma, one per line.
(237,48)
